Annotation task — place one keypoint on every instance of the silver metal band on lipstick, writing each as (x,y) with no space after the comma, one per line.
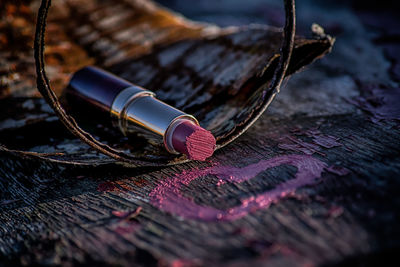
(137,106)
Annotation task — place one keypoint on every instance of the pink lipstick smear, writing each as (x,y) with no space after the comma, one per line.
(167,195)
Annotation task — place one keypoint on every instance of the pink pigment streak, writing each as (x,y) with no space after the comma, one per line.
(167,195)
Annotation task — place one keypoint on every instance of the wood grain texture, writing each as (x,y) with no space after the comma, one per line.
(342,114)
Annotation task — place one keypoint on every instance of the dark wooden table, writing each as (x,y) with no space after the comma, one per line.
(313,182)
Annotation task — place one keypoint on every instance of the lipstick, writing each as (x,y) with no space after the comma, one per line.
(133,108)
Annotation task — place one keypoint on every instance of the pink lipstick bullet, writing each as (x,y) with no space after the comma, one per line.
(133,107)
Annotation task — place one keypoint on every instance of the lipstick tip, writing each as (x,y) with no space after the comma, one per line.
(200,144)
(194,141)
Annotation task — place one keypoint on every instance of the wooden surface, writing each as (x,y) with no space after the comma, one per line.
(314,182)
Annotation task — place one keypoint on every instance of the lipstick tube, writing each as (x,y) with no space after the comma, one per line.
(132,107)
